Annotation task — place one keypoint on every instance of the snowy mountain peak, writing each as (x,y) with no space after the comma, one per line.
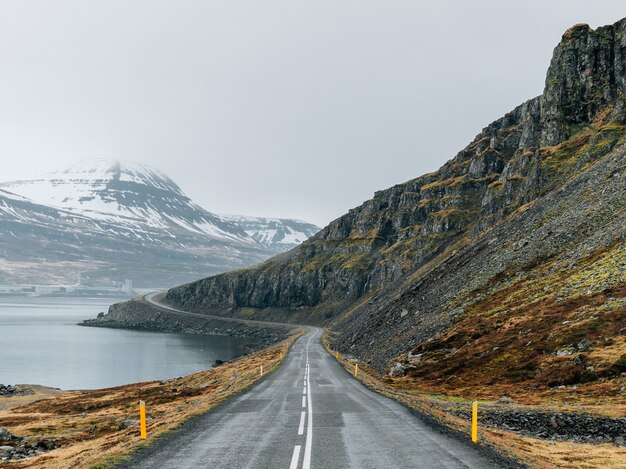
(277,233)
(127,194)
(109,169)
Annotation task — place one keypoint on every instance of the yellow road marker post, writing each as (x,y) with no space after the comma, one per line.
(356,370)
(142,419)
(475,421)
(337,355)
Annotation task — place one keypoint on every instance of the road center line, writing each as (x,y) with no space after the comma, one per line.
(295,457)
(301,427)
(306,464)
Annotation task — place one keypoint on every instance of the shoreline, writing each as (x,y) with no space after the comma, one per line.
(100,427)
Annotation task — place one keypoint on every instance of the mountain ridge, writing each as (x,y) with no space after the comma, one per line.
(116,212)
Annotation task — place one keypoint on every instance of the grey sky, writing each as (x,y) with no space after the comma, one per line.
(294,108)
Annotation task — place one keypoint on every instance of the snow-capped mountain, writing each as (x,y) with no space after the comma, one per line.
(279,234)
(110,220)
(126,194)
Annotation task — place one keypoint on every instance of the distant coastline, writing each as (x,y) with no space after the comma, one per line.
(90,294)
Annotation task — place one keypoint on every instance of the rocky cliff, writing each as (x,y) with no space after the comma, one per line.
(480,202)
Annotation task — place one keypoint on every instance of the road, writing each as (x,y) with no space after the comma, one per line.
(310,413)
(151,298)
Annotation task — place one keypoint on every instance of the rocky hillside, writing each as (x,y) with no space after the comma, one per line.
(506,264)
(110,220)
(529,154)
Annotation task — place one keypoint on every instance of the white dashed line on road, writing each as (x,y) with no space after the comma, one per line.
(306,464)
(295,457)
(301,426)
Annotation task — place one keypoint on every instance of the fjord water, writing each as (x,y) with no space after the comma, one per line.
(40,343)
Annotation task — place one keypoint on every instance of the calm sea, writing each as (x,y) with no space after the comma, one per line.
(40,343)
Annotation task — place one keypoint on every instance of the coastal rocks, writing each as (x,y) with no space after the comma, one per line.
(7,390)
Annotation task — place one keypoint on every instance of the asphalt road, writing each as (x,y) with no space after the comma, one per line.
(310,413)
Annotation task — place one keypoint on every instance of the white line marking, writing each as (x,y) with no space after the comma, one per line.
(295,457)
(303,401)
(304,391)
(301,427)
(306,464)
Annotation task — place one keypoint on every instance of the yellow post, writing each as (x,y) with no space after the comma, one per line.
(337,355)
(475,421)
(261,370)
(142,419)
(356,370)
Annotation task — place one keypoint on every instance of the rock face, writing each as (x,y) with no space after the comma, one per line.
(392,245)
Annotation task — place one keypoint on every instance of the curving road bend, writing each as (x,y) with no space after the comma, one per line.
(310,413)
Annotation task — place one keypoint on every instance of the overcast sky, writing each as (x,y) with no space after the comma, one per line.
(294,108)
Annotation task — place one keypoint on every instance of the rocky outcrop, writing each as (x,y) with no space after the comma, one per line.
(9,391)
(373,249)
(15,448)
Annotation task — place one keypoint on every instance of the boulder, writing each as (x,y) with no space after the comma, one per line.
(6,435)
(505,400)
(127,424)
(414,359)
(5,451)
(397,370)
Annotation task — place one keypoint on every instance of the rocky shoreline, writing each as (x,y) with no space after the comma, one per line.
(9,391)
(141,315)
